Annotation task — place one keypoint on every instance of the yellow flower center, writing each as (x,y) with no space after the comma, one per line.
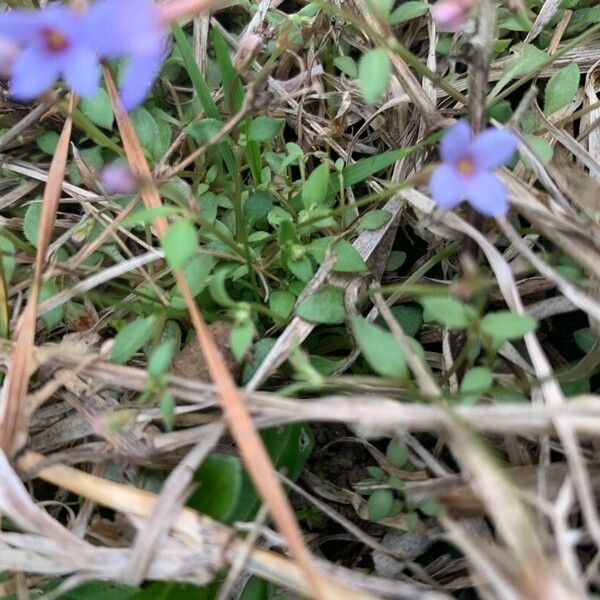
(465,166)
(55,40)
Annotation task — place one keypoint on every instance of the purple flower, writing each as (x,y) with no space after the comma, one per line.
(117,178)
(52,44)
(133,29)
(466,165)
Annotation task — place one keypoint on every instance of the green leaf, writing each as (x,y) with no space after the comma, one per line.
(162,590)
(7,250)
(585,339)
(100,590)
(410,317)
(380,349)
(374,219)
(160,358)
(203,131)
(301,267)
(257,207)
(540,147)
(324,306)
(430,507)
(180,242)
(131,338)
(196,272)
(146,129)
(395,260)
(53,317)
(98,109)
(396,453)
(241,337)
(408,11)
(31,222)
(475,383)
(47,142)
(505,325)
(448,311)
(561,88)
(147,215)
(263,129)
(166,405)
(380,504)
(527,60)
(348,259)
(314,190)
(373,74)
(220,483)
(347,65)
(282,302)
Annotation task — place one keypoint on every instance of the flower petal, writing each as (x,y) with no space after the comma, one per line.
(493,148)
(19,25)
(139,76)
(32,74)
(446,186)
(82,71)
(486,193)
(119,28)
(456,142)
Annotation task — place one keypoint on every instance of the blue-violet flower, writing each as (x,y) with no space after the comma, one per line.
(133,29)
(466,165)
(52,43)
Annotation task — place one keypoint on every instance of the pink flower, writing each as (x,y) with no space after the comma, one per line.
(117,178)
(466,165)
(448,15)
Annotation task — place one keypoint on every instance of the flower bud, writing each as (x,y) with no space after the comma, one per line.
(117,178)
(449,15)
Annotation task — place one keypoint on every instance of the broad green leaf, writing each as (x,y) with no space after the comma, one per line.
(410,317)
(53,317)
(147,215)
(395,260)
(160,358)
(324,306)
(541,148)
(430,507)
(475,382)
(527,60)
(505,325)
(203,131)
(374,219)
(282,302)
(408,11)
(180,242)
(196,272)
(396,453)
(347,65)
(348,259)
(263,129)
(162,590)
(373,74)
(561,88)
(131,338)
(31,222)
(47,142)
(220,483)
(301,267)
(380,349)
(98,109)
(100,590)
(240,338)
(448,311)
(314,190)
(380,504)
(585,339)
(257,207)
(147,130)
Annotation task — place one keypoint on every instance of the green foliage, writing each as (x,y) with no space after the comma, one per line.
(380,505)
(131,338)
(450,312)
(561,88)
(324,306)
(374,71)
(408,11)
(380,349)
(505,325)
(98,109)
(475,382)
(179,243)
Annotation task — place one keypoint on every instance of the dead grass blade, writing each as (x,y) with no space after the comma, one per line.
(14,414)
(236,413)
